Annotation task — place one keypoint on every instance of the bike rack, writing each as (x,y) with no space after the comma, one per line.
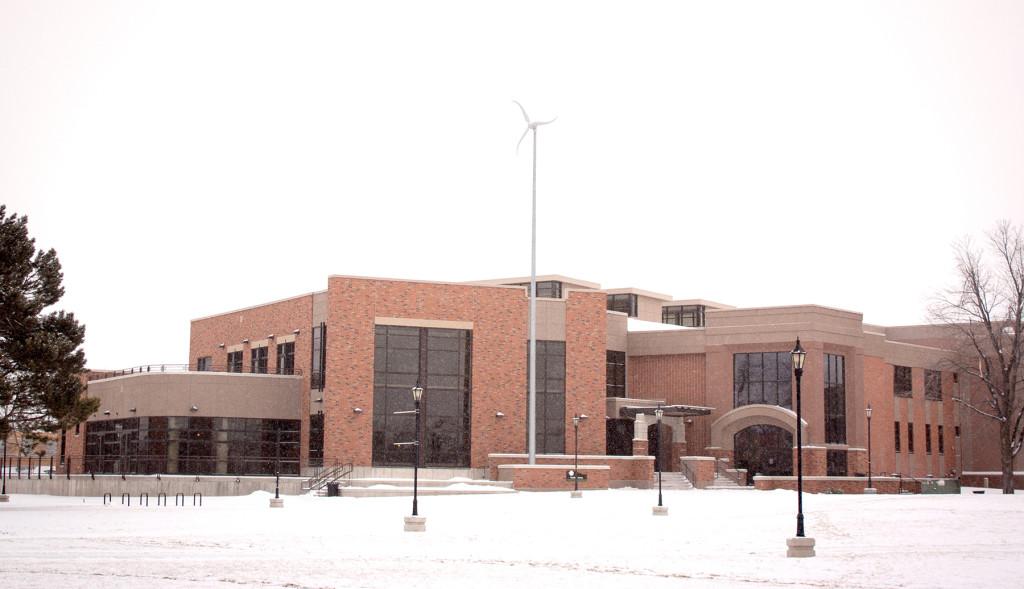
(107,497)
(141,495)
(129,496)
(182,495)
(194,495)
(159,496)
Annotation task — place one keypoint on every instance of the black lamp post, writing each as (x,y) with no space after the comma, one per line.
(576,451)
(417,395)
(868,413)
(4,473)
(799,355)
(658,413)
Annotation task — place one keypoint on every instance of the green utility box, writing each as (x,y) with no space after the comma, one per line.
(940,487)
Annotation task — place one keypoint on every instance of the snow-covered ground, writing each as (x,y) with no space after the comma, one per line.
(525,540)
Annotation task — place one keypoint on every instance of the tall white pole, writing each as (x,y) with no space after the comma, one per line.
(532,403)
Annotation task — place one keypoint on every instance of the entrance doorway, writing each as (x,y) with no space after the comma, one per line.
(660,446)
(764,449)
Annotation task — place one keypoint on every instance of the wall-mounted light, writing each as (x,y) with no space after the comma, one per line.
(357,410)
(194,408)
(295,331)
(106,412)
(220,345)
(499,414)
(132,410)
(583,416)
(245,340)
(318,400)
(271,336)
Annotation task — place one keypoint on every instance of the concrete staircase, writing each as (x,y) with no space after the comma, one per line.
(726,483)
(402,487)
(673,481)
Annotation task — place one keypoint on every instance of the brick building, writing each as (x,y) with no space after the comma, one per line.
(322,378)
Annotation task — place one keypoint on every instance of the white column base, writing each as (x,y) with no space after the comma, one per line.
(659,510)
(4,498)
(415,523)
(576,494)
(870,491)
(798,547)
(276,502)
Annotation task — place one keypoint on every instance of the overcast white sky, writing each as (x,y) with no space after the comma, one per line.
(188,158)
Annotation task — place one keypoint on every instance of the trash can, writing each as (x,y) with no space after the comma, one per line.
(333,490)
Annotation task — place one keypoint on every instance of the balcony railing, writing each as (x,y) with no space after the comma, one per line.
(181,368)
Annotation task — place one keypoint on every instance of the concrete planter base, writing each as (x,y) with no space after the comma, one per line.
(659,510)
(415,523)
(4,498)
(276,502)
(576,494)
(799,547)
(870,491)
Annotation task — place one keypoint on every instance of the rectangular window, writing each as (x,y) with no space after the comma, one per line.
(901,381)
(763,378)
(685,315)
(319,358)
(942,445)
(235,361)
(316,439)
(623,303)
(932,385)
(616,374)
(835,463)
(258,360)
(928,438)
(910,438)
(835,399)
(896,431)
(550,397)
(286,358)
(204,364)
(546,289)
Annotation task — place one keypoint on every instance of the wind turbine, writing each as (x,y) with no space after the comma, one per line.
(532,397)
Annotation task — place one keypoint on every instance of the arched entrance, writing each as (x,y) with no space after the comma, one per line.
(660,446)
(764,449)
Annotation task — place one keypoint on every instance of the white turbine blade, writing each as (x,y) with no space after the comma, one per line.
(525,131)
(525,116)
(537,124)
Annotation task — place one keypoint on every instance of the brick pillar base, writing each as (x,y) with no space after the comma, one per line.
(678,451)
(639,447)
(815,461)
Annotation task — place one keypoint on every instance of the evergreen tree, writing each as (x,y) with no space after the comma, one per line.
(41,361)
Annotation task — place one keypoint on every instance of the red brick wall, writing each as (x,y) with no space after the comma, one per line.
(500,332)
(280,318)
(532,478)
(622,468)
(678,378)
(887,485)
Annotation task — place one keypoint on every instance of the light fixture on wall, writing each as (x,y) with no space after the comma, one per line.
(245,340)
(132,410)
(220,345)
(194,408)
(583,416)
(295,331)
(499,414)
(271,336)
(357,410)
(106,412)
(318,400)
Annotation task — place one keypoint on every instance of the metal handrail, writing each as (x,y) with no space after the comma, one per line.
(180,368)
(688,473)
(326,475)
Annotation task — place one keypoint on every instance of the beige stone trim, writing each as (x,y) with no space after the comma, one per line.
(726,426)
(284,339)
(410,322)
(233,348)
(262,343)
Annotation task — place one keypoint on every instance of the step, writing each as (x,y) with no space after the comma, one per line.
(423,483)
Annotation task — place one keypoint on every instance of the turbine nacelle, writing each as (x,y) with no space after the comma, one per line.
(530,125)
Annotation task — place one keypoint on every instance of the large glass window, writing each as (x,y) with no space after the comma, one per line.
(763,378)
(623,303)
(685,315)
(438,360)
(896,434)
(616,374)
(235,361)
(316,439)
(910,438)
(204,364)
(550,397)
(835,399)
(193,445)
(319,359)
(942,445)
(933,385)
(835,463)
(258,360)
(928,438)
(546,289)
(286,358)
(901,381)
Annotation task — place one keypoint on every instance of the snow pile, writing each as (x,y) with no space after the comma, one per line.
(606,539)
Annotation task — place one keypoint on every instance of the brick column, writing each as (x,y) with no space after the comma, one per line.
(815,461)
(640,435)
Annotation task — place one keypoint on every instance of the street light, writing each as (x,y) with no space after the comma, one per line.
(659,509)
(576,460)
(799,546)
(871,488)
(415,523)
